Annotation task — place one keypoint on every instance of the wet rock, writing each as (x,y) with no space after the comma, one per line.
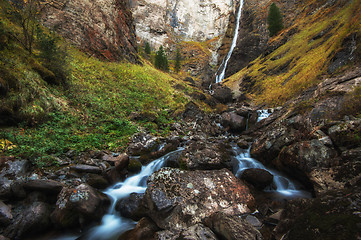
(144,230)
(97,181)
(80,205)
(134,165)
(233,121)
(232,227)
(198,231)
(120,161)
(259,178)
(223,94)
(5,214)
(32,219)
(205,155)
(43,185)
(131,207)
(178,199)
(81,168)
(253,221)
(301,158)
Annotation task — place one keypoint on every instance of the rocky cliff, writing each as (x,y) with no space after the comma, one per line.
(102,28)
(166,22)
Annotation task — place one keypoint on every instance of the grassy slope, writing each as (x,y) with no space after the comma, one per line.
(305,59)
(92,112)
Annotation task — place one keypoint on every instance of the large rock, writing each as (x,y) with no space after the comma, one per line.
(232,227)
(206,155)
(131,207)
(144,230)
(233,121)
(178,199)
(223,94)
(102,28)
(259,178)
(82,168)
(302,158)
(346,134)
(82,204)
(32,219)
(43,185)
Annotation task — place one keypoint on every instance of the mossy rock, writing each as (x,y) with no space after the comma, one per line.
(134,165)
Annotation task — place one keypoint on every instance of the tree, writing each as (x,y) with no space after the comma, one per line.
(26,13)
(161,60)
(147,48)
(177,65)
(274,20)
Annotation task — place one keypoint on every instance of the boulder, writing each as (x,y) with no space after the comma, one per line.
(346,134)
(82,204)
(144,230)
(134,165)
(131,207)
(82,168)
(43,185)
(6,216)
(223,94)
(301,158)
(206,155)
(96,181)
(233,121)
(178,199)
(30,220)
(259,178)
(232,227)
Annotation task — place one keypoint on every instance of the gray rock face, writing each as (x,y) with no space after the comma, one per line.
(232,227)
(178,199)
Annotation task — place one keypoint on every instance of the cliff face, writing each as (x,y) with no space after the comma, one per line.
(165,22)
(103,28)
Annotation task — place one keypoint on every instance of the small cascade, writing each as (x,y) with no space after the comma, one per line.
(281,184)
(112,224)
(262,114)
(220,77)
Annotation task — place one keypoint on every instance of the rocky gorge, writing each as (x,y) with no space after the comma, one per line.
(189,184)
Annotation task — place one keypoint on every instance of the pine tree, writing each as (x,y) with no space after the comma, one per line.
(274,20)
(147,48)
(161,61)
(177,65)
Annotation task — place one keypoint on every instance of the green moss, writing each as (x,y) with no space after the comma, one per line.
(134,165)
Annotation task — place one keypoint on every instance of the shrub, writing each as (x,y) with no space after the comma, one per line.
(274,20)
(147,48)
(161,60)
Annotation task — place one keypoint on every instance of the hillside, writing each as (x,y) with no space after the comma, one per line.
(321,40)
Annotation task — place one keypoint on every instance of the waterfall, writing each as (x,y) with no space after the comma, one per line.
(220,77)
(262,114)
(281,184)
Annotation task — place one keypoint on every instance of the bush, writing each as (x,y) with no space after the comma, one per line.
(274,20)
(147,48)
(161,61)
(53,57)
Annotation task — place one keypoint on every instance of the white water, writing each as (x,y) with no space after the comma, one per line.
(281,184)
(262,114)
(220,77)
(113,225)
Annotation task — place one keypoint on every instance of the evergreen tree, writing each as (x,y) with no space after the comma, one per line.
(147,48)
(161,61)
(177,65)
(274,20)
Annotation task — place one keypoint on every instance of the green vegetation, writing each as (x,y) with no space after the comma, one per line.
(93,110)
(274,20)
(177,65)
(304,57)
(161,60)
(147,48)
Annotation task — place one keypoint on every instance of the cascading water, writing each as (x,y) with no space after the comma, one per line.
(112,224)
(220,77)
(281,184)
(262,114)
